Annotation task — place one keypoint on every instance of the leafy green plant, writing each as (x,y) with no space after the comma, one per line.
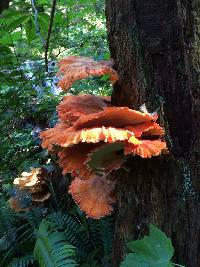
(51,248)
(90,237)
(28,102)
(21,231)
(27,94)
(23,261)
(155,250)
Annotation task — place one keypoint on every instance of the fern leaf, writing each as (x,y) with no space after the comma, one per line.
(106,230)
(24,261)
(74,232)
(51,249)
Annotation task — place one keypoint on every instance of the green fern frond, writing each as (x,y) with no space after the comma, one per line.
(5,243)
(35,216)
(7,217)
(7,240)
(91,260)
(7,190)
(74,232)
(106,230)
(24,261)
(102,235)
(17,246)
(51,249)
(61,220)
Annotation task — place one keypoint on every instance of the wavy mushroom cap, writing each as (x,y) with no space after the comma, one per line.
(74,68)
(118,117)
(146,149)
(28,179)
(73,107)
(94,196)
(72,160)
(34,183)
(63,136)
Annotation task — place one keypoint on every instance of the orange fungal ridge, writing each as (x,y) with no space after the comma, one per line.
(146,149)
(73,107)
(94,196)
(110,117)
(63,136)
(74,68)
(72,160)
(34,183)
(93,138)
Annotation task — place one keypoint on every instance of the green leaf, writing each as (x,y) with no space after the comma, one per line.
(105,156)
(51,248)
(43,19)
(8,39)
(16,22)
(10,13)
(134,260)
(155,250)
(30,30)
(21,261)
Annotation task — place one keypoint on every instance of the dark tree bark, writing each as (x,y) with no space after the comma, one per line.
(4,4)
(155,45)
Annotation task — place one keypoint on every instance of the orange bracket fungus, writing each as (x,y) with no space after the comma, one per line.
(74,68)
(94,196)
(33,183)
(93,138)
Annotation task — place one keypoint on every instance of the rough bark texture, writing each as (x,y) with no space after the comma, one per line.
(4,4)
(155,45)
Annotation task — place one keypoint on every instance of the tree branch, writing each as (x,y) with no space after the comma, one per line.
(38,71)
(36,23)
(53,9)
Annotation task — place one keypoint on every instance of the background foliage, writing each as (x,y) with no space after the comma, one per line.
(28,93)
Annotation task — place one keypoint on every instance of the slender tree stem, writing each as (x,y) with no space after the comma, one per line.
(38,71)
(36,23)
(14,49)
(53,9)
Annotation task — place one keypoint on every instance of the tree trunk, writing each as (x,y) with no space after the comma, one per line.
(155,45)
(4,4)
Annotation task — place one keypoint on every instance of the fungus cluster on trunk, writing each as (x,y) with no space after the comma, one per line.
(94,138)
(34,183)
